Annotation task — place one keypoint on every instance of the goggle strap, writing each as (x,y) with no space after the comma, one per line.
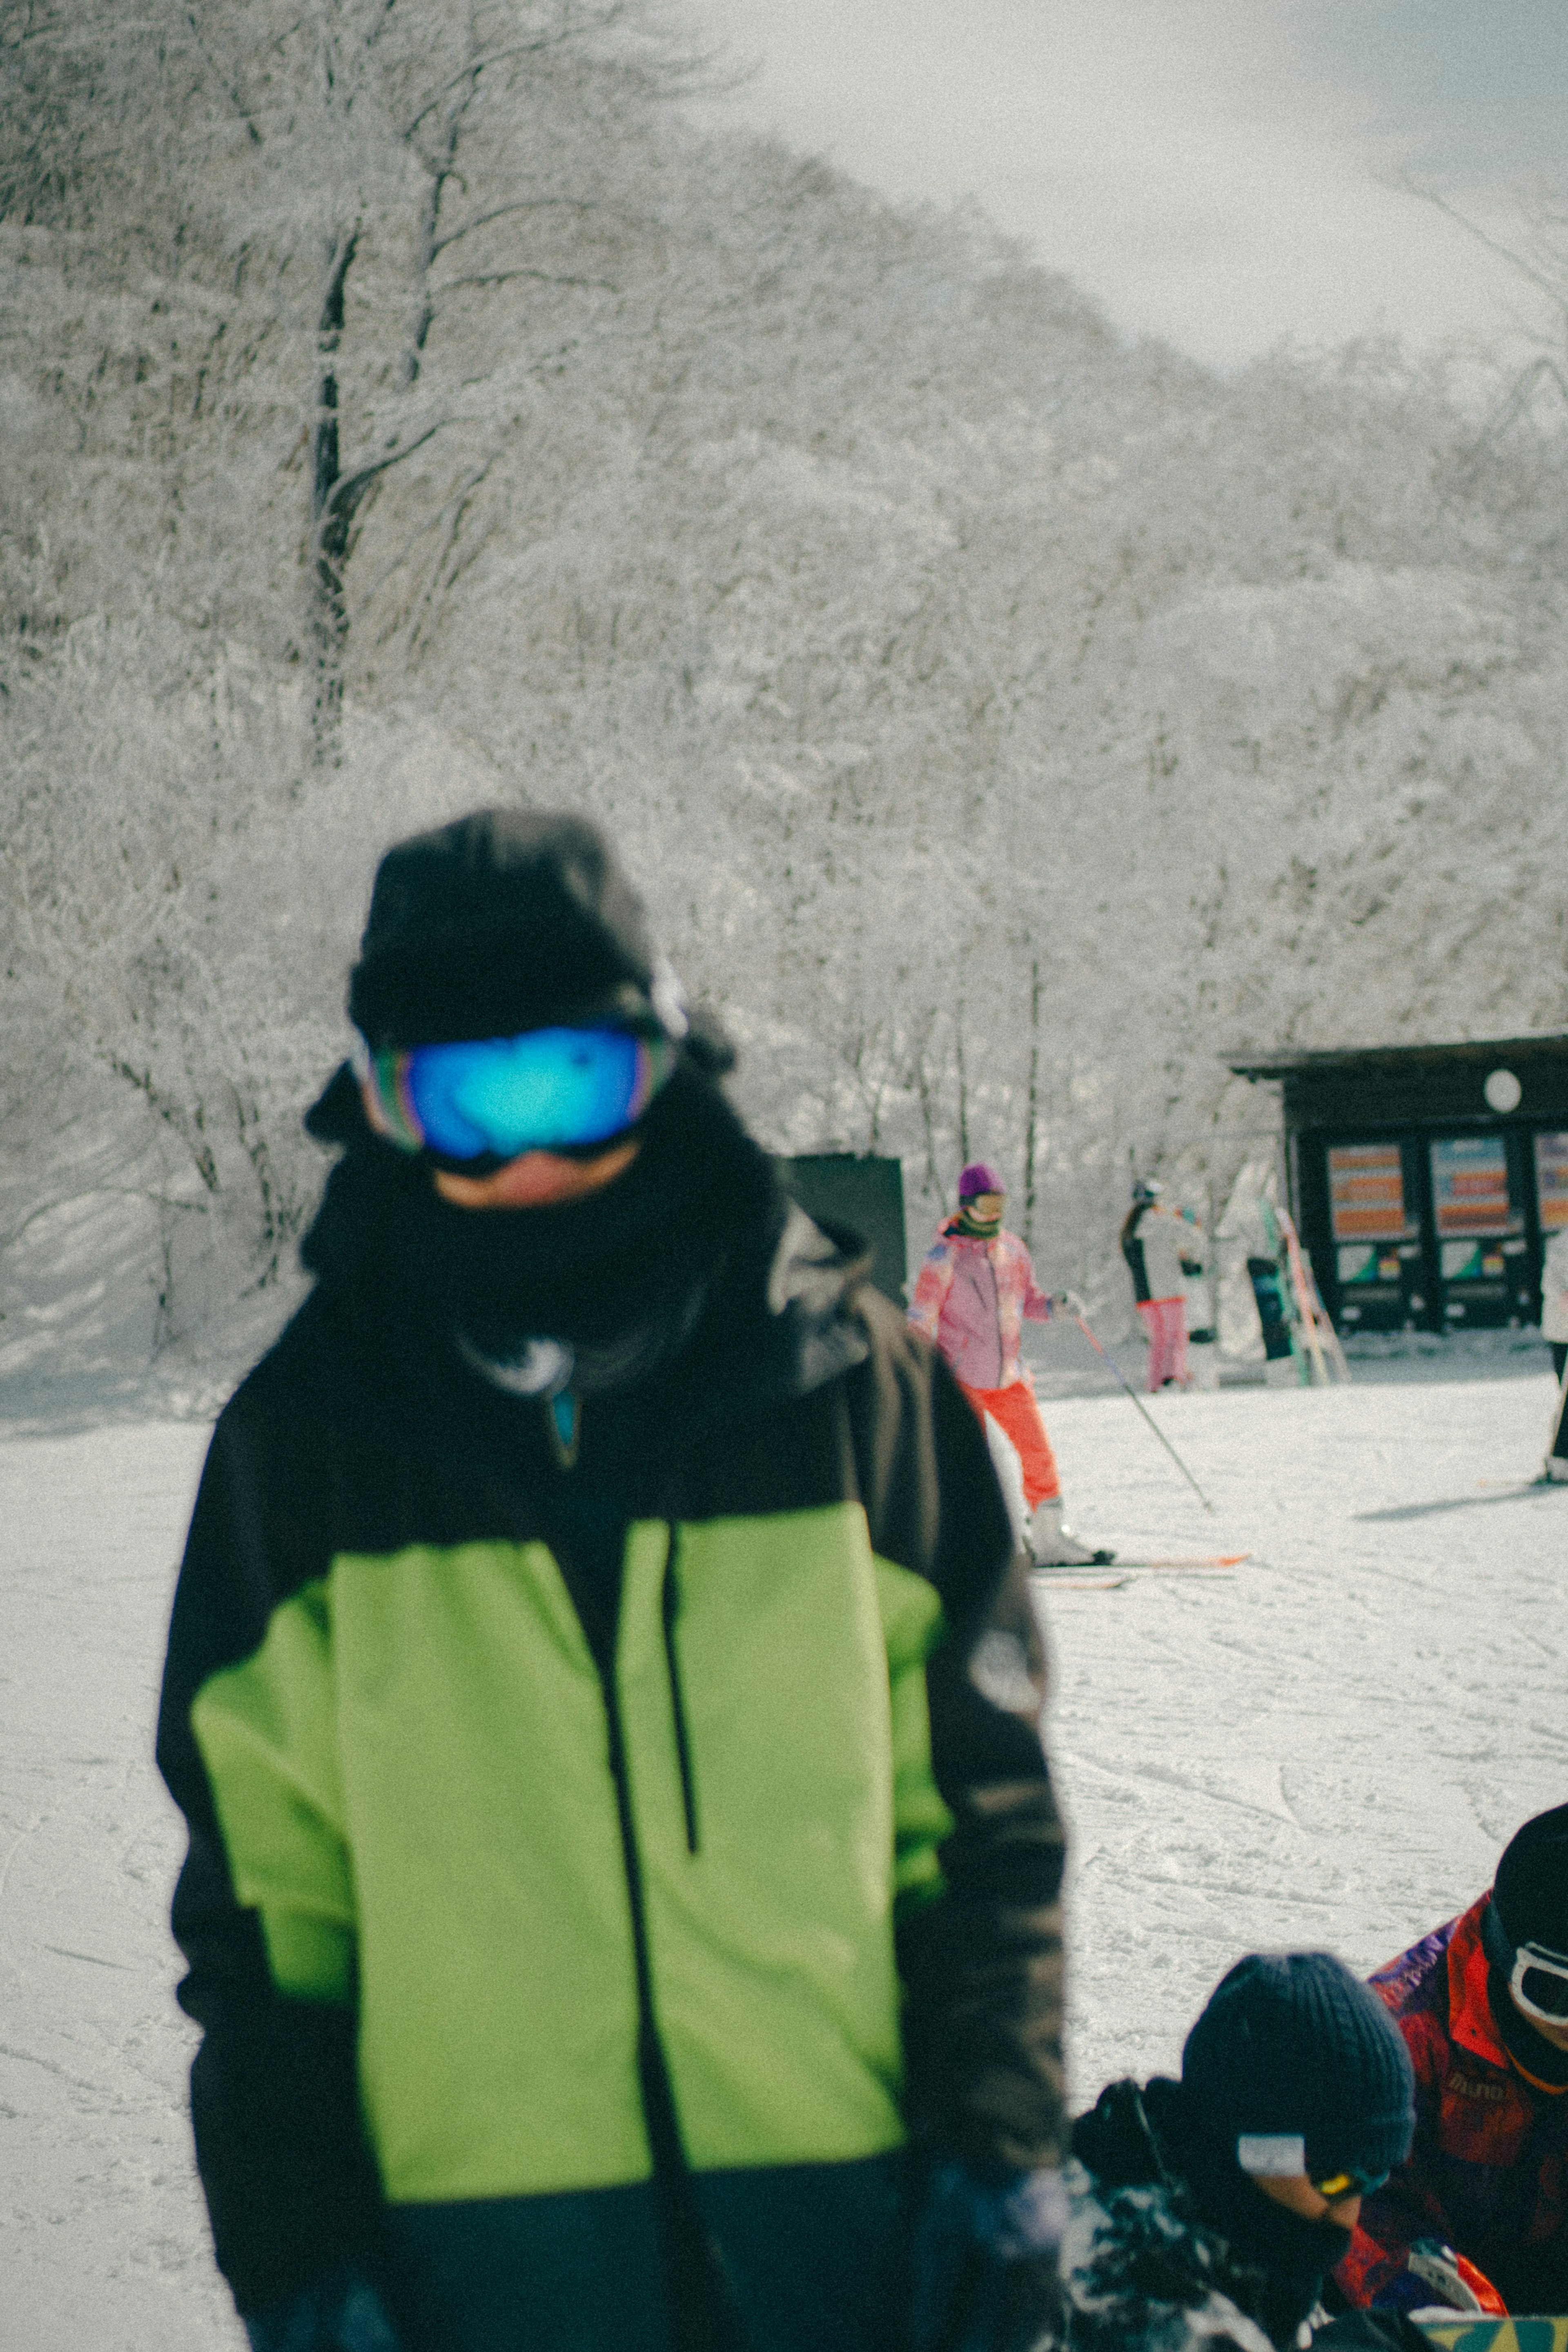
(1494,1939)
(398,1122)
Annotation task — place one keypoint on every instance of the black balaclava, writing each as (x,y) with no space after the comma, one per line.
(1529,1904)
(1294,2050)
(619,1276)
(503,921)
(1290,2256)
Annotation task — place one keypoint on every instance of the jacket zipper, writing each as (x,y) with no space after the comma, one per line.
(703,2316)
(669,1610)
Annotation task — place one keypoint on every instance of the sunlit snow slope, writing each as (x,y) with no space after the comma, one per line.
(1327,1748)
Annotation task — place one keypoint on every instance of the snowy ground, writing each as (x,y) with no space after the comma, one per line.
(1328,1747)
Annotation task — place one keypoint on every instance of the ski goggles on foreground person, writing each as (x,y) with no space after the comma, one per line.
(1537,1978)
(492,1098)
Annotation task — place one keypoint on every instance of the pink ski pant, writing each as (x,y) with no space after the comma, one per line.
(1164,1319)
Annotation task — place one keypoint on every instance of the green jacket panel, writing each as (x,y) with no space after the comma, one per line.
(401,1712)
(774,1980)
(267,1732)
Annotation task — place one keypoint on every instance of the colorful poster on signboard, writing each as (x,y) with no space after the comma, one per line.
(1552,1181)
(1367,1194)
(1472,1262)
(1469,1186)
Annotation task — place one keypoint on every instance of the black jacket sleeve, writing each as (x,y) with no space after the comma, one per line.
(291,2186)
(982,1966)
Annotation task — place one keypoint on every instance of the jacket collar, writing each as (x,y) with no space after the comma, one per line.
(1469,2005)
(951,1231)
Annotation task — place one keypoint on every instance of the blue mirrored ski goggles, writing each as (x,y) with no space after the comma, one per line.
(547,1090)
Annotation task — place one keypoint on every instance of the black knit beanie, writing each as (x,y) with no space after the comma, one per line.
(1296,2066)
(506,920)
(1531,1890)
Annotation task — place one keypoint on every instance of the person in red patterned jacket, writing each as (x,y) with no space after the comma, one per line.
(1483,2006)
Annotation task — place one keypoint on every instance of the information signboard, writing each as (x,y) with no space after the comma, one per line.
(1366,1192)
(1469,1187)
(1552,1179)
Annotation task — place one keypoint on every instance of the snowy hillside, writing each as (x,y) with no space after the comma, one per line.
(1005,723)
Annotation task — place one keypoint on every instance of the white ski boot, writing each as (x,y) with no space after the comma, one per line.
(1055,1545)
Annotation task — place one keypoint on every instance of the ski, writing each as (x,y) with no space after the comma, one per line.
(1101,1582)
(1211,1561)
(1107,1580)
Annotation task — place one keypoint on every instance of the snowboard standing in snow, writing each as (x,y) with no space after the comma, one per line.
(1554,1470)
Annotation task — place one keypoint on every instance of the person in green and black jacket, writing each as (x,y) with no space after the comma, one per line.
(623,1895)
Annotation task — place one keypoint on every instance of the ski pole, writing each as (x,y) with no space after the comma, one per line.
(1072,1307)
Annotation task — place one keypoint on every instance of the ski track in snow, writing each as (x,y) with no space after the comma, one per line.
(103,2239)
(1328,1747)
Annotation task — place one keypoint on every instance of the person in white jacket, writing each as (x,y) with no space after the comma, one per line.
(1555,1331)
(1155,1240)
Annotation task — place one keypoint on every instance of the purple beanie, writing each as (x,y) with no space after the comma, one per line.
(979,1176)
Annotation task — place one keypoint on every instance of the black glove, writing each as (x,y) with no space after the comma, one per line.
(985,2263)
(340,2313)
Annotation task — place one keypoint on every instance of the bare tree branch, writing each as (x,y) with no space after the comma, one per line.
(351,487)
(495,57)
(1555,292)
(230,88)
(523,204)
(543,278)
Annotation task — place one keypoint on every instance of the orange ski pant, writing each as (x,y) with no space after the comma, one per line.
(1014,1410)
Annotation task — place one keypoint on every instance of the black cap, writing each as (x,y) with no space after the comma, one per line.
(1531,1890)
(1296,2066)
(504,920)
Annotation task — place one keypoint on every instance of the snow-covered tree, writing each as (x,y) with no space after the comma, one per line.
(1003,722)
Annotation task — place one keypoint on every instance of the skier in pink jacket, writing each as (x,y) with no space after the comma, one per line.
(971,1297)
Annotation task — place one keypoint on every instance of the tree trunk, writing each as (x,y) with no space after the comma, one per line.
(330,515)
(1031,1104)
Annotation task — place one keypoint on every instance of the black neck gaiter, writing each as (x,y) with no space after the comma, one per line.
(1282,2259)
(619,1277)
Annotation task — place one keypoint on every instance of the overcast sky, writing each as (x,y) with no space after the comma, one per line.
(1221,173)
